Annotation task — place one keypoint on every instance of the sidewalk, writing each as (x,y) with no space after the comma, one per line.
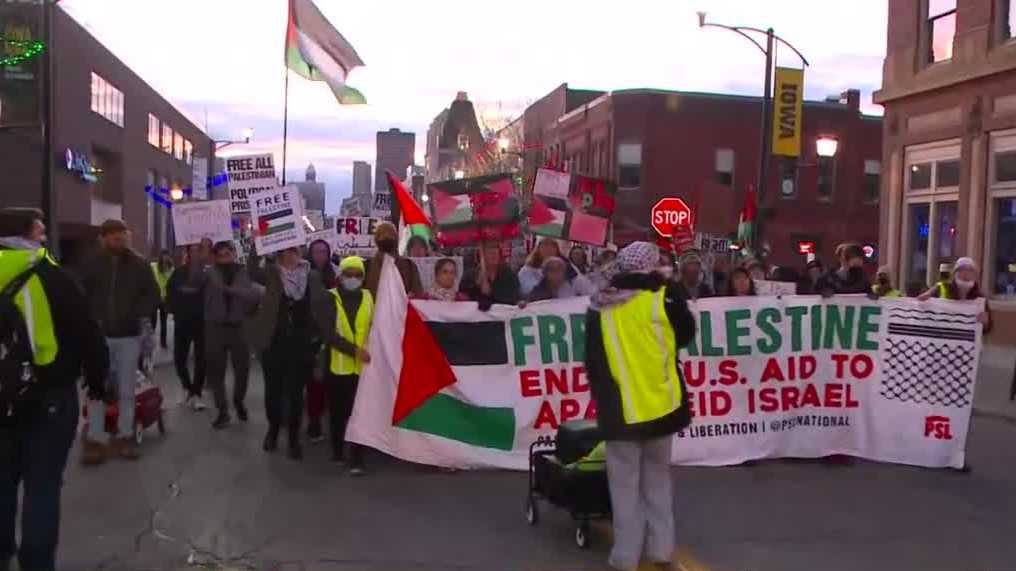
(991,397)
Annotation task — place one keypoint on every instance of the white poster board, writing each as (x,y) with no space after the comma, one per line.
(278,220)
(426,267)
(355,232)
(249,177)
(328,236)
(552,183)
(767,287)
(382,207)
(199,179)
(195,221)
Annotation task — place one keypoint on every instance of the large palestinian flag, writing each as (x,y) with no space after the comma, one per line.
(451,385)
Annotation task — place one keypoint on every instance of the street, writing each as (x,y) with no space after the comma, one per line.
(217,498)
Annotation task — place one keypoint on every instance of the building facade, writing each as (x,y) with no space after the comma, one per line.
(395,152)
(361,178)
(703,148)
(312,191)
(120,149)
(949,92)
(455,142)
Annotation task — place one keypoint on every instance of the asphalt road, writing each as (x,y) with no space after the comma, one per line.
(215,498)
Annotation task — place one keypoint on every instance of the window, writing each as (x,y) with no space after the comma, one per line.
(1005,166)
(188,152)
(826,178)
(725,167)
(153,130)
(872,181)
(941,29)
(932,214)
(107,100)
(178,146)
(1000,236)
(1005,20)
(1003,262)
(463,142)
(788,178)
(629,165)
(167,139)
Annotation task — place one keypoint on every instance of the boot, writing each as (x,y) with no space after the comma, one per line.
(126,448)
(271,443)
(92,453)
(221,421)
(241,411)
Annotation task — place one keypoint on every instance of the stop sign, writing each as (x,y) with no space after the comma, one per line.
(670,214)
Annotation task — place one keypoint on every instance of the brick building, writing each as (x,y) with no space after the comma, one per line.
(949,91)
(115,139)
(704,148)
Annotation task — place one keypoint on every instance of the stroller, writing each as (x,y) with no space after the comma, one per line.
(559,475)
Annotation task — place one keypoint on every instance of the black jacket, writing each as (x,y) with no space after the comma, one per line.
(81,346)
(186,301)
(121,291)
(609,406)
(682,292)
(856,281)
(504,289)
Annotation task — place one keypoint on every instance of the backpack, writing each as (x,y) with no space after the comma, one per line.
(17,371)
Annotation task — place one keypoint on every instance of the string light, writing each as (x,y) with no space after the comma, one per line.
(29,49)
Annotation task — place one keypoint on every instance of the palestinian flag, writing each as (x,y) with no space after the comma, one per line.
(276,222)
(412,215)
(475,209)
(315,50)
(746,223)
(546,221)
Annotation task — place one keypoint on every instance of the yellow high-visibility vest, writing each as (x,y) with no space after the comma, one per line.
(32,302)
(162,279)
(642,353)
(893,292)
(943,290)
(342,364)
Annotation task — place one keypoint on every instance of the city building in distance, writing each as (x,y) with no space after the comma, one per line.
(454,141)
(395,151)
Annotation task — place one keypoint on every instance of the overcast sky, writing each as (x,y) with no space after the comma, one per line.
(224,59)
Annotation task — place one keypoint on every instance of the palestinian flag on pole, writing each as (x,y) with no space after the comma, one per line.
(412,215)
(746,222)
(442,387)
(315,50)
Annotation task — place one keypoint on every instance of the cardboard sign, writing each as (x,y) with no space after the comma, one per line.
(195,221)
(278,220)
(355,232)
(249,177)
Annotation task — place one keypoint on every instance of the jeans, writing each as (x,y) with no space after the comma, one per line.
(123,360)
(286,366)
(184,335)
(224,341)
(33,454)
(342,396)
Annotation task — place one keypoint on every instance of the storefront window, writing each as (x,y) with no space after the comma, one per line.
(947,173)
(1005,166)
(920,176)
(1004,262)
(945,237)
(918,236)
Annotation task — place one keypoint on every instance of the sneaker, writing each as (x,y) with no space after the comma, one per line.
(126,448)
(93,453)
(357,471)
(241,412)
(221,421)
(197,404)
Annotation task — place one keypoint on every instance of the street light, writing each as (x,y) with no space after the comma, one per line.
(460,174)
(503,143)
(826,146)
(247,134)
(767,124)
(176,194)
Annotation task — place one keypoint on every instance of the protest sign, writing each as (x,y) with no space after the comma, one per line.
(426,267)
(195,221)
(768,287)
(888,380)
(471,210)
(382,206)
(278,217)
(249,176)
(328,236)
(577,208)
(355,232)
(199,179)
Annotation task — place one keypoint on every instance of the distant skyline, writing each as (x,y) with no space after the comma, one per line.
(222,61)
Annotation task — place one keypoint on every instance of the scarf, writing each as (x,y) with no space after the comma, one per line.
(19,243)
(294,281)
(438,293)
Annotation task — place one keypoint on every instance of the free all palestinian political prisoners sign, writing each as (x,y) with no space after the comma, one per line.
(796,376)
(249,176)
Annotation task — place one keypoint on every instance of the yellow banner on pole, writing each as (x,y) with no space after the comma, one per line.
(787,115)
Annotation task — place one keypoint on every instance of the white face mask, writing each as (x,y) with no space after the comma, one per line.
(351,284)
(964,284)
(665,271)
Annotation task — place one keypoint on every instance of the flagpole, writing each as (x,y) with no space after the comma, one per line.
(285,127)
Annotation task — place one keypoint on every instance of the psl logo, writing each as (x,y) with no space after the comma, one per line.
(937,427)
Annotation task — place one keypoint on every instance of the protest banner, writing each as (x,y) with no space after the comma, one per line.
(427,265)
(278,217)
(328,236)
(355,232)
(888,380)
(472,210)
(770,288)
(195,221)
(249,176)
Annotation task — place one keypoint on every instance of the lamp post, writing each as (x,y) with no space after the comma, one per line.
(245,138)
(767,116)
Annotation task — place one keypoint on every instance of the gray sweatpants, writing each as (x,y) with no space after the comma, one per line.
(641,493)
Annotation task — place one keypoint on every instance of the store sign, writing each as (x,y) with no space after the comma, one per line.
(80,165)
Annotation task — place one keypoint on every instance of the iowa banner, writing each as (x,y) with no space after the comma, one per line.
(797,376)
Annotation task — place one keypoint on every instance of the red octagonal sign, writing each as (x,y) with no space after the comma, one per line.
(670,214)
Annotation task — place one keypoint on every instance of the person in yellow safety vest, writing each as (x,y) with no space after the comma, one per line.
(37,426)
(162,270)
(634,330)
(962,286)
(346,328)
(884,284)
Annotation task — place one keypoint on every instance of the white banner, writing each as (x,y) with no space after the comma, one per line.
(355,232)
(278,220)
(798,376)
(199,179)
(249,176)
(382,207)
(195,221)
(770,288)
